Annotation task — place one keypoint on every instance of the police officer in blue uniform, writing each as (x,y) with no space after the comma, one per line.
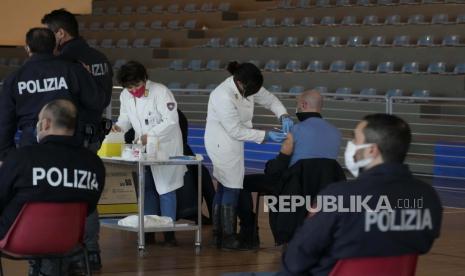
(72,47)
(42,78)
(46,173)
(405,216)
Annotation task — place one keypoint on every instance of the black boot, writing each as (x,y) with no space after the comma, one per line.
(170,239)
(229,226)
(248,236)
(216,226)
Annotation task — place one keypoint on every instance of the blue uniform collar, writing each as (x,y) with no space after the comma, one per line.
(61,139)
(302,116)
(386,169)
(76,42)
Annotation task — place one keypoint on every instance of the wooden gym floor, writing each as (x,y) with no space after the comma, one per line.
(120,255)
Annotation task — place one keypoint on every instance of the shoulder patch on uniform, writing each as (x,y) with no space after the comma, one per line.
(170,106)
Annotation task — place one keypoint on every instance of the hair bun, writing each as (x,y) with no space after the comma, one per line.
(232,67)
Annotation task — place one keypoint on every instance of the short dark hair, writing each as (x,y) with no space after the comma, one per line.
(62,19)
(40,41)
(248,74)
(62,113)
(391,134)
(131,74)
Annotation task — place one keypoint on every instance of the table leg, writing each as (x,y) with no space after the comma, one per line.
(141,240)
(198,233)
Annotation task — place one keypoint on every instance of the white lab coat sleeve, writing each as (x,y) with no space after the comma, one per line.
(167,106)
(123,120)
(229,118)
(270,102)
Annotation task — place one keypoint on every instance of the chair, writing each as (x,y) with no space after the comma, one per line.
(311,41)
(401,41)
(173,8)
(112,10)
(385,67)
(460,19)
(140,25)
(269,22)
(421,93)
(364,3)
(425,41)
(46,231)
(342,92)
(250,23)
(404,265)
(451,40)
(441,18)
(275,88)
(193,86)
(361,67)
(272,65)
(296,89)
(157,9)
(315,66)
(142,10)
(109,26)
(304,4)
(177,65)
(332,41)
(192,7)
(232,42)
(92,42)
(270,41)
(214,65)
(126,10)
(411,68)
(190,24)
(195,65)
(255,62)
(95,26)
(224,7)
(408,2)
(288,22)
(211,86)
(174,85)
(370,20)
(251,42)
(207,7)
(294,66)
(214,42)
(156,25)
(322,3)
(394,19)
(97,11)
(459,69)
(82,26)
(338,66)
(355,41)
(394,92)
(328,21)
(377,41)
(285,4)
(436,68)
(138,43)
(416,19)
(173,25)
(122,43)
(291,41)
(349,20)
(118,63)
(385,2)
(343,3)
(155,42)
(124,26)
(321,89)
(107,43)
(368,92)
(307,21)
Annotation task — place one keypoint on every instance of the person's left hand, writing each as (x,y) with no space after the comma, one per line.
(287,123)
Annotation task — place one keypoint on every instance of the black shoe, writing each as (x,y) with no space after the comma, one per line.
(229,226)
(170,239)
(95,261)
(216,227)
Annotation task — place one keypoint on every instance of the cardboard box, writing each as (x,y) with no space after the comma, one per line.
(119,196)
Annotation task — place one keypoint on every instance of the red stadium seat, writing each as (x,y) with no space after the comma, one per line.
(404,265)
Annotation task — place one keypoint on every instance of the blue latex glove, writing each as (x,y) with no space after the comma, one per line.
(274,136)
(287,123)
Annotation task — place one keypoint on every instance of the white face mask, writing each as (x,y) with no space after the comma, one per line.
(349,157)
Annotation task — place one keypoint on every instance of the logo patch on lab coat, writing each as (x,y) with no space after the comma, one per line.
(170,106)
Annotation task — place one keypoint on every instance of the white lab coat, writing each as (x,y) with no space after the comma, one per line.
(229,124)
(156,115)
